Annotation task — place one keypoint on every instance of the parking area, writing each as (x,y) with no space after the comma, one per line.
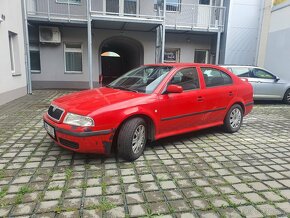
(203,174)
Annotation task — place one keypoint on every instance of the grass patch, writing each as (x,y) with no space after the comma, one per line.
(2,174)
(3,191)
(20,194)
(68,173)
(104,205)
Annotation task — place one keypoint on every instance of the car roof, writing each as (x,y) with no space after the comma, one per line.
(238,66)
(183,65)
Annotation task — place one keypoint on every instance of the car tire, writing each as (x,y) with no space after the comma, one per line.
(286,98)
(132,139)
(233,119)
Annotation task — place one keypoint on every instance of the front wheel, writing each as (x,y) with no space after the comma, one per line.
(132,139)
(233,119)
(286,98)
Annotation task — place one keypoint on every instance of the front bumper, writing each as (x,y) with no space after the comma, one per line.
(80,139)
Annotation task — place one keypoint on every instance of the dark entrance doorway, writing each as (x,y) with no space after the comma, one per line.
(118,56)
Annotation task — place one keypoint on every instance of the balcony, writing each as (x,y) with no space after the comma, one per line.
(57,10)
(142,15)
(195,17)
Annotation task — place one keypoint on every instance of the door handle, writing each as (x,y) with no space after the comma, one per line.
(231,93)
(199,98)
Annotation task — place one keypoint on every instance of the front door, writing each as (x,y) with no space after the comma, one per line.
(180,111)
(265,85)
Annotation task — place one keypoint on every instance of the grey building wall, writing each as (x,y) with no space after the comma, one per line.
(239,44)
(278,47)
(12,84)
(53,74)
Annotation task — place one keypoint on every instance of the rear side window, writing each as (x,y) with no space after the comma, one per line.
(214,77)
(241,71)
(186,78)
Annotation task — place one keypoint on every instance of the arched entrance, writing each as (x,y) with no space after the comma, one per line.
(119,55)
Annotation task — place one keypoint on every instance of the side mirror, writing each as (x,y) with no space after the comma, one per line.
(174,89)
(277,78)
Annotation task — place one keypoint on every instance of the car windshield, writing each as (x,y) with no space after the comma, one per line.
(144,79)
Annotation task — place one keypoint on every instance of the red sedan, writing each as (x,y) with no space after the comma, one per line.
(146,104)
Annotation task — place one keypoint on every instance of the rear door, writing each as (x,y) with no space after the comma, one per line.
(217,95)
(180,111)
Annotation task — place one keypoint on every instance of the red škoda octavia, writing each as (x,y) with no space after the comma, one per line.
(146,104)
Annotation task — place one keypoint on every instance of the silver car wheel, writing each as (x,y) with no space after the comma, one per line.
(138,139)
(288,97)
(235,118)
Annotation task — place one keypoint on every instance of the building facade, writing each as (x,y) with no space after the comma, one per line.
(12,71)
(277,52)
(81,43)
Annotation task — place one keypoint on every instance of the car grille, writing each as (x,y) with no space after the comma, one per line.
(55,112)
(69,143)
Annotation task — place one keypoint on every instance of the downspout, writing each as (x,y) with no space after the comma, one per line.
(218,44)
(89,27)
(27,54)
(163,32)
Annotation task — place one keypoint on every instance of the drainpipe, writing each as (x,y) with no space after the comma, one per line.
(89,27)
(27,54)
(218,43)
(163,32)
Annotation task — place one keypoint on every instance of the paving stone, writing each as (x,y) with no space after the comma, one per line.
(47,206)
(92,214)
(73,193)
(199,204)
(158,208)
(254,197)
(249,211)
(137,210)
(134,198)
(115,212)
(154,196)
(272,196)
(285,193)
(92,191)
(52,195)
(269,210)
(242,187)
(173,195)
(179,206)
(4,211)
(285,206)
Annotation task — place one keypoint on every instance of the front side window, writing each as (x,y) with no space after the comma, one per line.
(144,79)
(171,5)
(262,74)
(73,57)
(186,78)
(240,71)
(214,77)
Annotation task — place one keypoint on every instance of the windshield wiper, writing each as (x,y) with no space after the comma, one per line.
(121,88)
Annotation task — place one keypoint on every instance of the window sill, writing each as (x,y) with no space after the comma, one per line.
(16,74)
(70,3)
(35,72)
(73,72)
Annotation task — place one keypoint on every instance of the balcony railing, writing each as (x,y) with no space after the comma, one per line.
(68,10)
(129,10)
(178,16)
(195,16)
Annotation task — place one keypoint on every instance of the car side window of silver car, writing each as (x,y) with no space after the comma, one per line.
(262,74)
(241,71)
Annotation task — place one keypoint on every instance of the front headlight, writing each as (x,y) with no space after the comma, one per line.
(78,120)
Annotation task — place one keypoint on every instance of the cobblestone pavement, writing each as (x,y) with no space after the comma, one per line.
(202,174)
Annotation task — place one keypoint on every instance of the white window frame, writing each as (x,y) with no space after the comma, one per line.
(206,57)
(74,50)
(169,11)
(12,53)
(121,8)
(177,55)
(68,2)
(35,48)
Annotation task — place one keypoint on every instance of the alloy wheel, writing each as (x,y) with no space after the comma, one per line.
(138,139)
(235,118)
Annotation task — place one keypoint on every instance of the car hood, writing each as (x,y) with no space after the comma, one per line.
(85,102)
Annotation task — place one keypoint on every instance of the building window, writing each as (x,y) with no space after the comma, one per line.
(171,55)
(73,2)
(171,5)
(204,2)
(14,53)
(201,56)
(130,6)
(34,58)
(73,58)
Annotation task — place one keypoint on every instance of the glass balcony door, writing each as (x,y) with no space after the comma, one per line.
(121,7)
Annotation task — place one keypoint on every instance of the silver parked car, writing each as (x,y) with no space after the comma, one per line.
(266,85)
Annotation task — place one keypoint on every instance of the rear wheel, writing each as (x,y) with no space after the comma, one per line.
(233,119)
(286,98)
(132,139)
